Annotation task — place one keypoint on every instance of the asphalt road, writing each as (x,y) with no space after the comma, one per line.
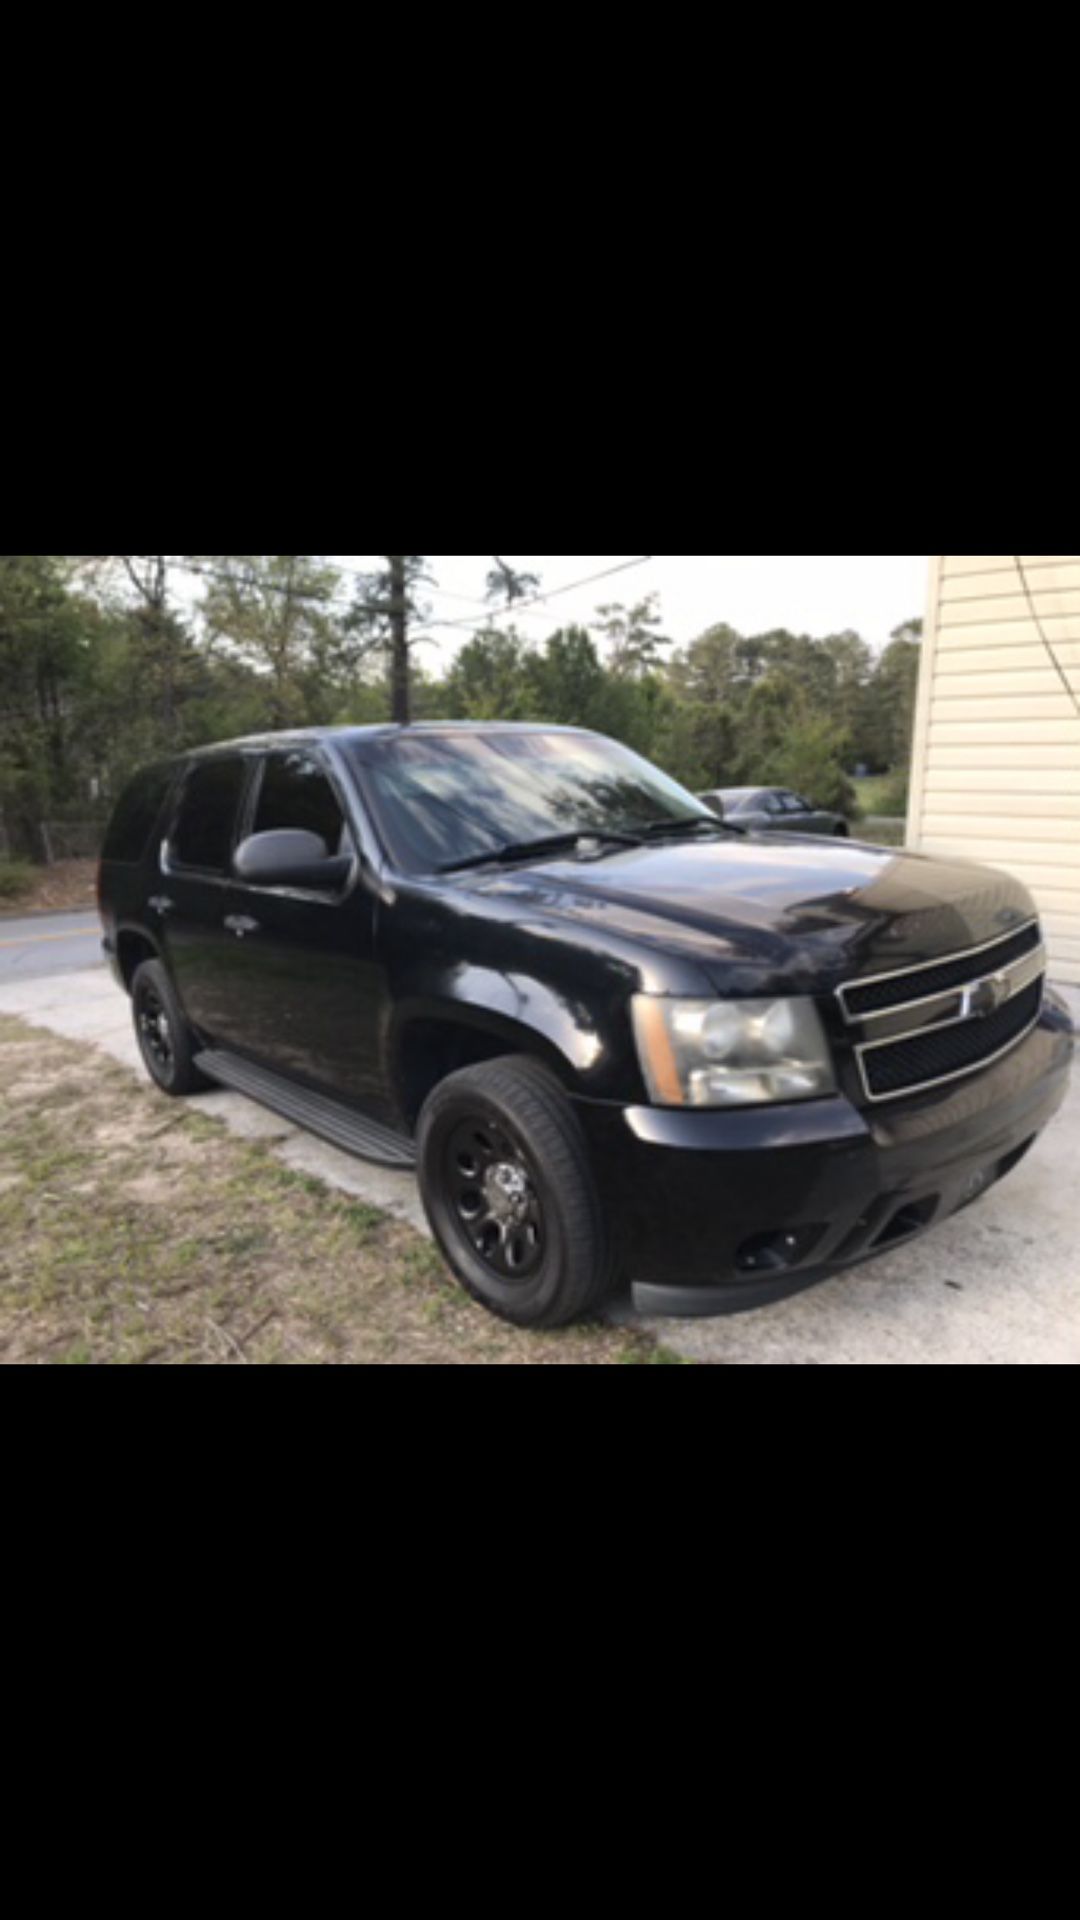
(49,943)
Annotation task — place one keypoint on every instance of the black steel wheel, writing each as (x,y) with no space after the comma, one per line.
(494,1192)
(165,1040)
(155,1037)
(508,1190)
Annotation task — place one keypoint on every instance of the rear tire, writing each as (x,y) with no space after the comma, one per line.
(507,1187)
(166,1042)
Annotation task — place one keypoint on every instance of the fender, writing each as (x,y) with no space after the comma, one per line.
(133,930)
(527,1015)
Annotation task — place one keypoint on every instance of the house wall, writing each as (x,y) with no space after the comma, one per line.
(997,735)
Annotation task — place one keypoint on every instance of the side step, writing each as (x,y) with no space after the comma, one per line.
(328,1118)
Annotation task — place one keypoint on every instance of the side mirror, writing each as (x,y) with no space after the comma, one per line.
(291,859)
(714,803)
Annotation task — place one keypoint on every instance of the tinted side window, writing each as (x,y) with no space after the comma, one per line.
(136,814)
(297,795)
(203,835)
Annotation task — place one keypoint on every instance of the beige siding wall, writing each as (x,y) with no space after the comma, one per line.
(997,748)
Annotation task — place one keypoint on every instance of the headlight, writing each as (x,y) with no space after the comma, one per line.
(731,1053)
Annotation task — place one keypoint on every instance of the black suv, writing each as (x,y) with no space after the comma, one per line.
(615,1035)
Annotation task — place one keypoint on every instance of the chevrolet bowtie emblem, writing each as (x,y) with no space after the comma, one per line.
(987,996)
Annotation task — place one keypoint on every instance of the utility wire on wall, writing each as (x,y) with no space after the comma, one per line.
(1044,636)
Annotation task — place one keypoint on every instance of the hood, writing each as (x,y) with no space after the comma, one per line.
(814,912)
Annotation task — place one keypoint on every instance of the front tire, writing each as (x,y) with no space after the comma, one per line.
(506,1184)
(166,1042)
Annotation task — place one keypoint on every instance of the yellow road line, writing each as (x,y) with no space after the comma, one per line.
(36,939)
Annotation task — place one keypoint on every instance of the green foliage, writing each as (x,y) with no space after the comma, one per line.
(505,583)
(16,878)
(887,796)
(42,655)
(101,671)
(633,634)
(272,612)
(887,713)
(810,760)
(489,679)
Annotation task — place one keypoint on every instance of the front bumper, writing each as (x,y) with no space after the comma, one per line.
(721,1212)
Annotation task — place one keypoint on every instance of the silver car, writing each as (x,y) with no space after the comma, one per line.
(774,810)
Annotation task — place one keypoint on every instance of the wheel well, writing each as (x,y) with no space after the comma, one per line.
(131,950)
(431,1050)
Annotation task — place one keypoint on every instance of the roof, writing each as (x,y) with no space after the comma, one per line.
(299,735)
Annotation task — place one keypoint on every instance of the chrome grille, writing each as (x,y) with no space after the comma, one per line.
(924,1026)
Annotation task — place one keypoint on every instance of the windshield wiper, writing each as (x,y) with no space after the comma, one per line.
(666,829)
(554,843)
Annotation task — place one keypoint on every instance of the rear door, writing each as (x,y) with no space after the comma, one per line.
(191,905)
(307,994)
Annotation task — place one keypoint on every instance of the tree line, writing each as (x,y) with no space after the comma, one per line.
(105,665)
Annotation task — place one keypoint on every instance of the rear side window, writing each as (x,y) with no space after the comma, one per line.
(136,814)
(204,832)
(297,795)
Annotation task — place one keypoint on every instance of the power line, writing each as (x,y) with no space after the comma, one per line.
(1044,636)
(332,600)
(539,599)
(473,623)
(542,598)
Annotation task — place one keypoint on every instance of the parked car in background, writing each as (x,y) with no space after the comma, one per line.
(614,1035)
(774,810)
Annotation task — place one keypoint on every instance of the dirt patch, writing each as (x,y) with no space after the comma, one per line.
(134,1231)
(68,887)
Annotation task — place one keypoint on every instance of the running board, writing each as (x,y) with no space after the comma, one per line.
(328,1118)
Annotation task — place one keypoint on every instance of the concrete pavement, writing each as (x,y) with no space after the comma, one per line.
(998,1285)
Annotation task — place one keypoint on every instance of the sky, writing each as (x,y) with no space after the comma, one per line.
(817,594)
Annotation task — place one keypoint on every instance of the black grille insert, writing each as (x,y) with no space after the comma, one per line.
(938,976)
(907,1065)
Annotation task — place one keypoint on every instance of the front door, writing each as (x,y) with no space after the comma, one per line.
(800,816)
(307,991)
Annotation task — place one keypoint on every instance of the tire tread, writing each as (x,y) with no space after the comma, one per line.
(529,1092)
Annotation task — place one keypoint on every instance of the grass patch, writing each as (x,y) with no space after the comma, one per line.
(135,1231)
(880,833)
(884,795)
(68,887)
(16,880)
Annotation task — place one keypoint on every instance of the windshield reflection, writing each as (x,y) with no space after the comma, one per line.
(444,798)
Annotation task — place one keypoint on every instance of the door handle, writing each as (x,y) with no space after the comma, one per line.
(161,905)
(241,925)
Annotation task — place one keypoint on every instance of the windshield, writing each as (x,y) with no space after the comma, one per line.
(445,798)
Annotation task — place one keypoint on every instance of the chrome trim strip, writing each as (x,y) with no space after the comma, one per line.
(925,966)
(1020,974)
(944,1080)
